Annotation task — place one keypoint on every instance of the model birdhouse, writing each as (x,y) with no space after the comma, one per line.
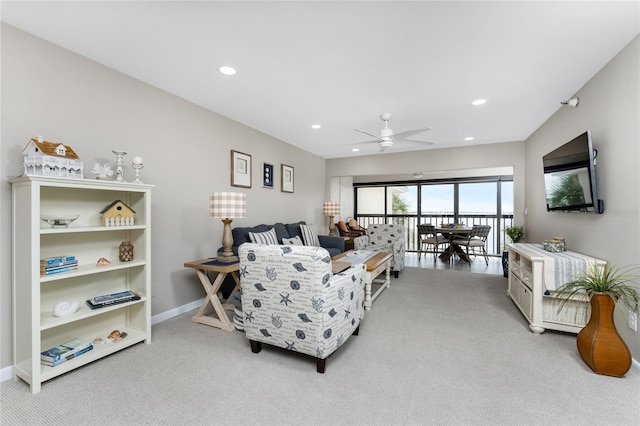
(117,214)
(51,159)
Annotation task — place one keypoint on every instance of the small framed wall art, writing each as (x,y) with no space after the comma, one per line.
(286,177)
(240,169)
(267,175)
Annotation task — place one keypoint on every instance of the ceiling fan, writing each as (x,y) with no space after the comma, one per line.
(387,137)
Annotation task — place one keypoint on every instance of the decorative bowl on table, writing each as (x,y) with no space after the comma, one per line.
(59,221)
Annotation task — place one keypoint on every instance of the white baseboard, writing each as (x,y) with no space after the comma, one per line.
(7,372)
(156,319)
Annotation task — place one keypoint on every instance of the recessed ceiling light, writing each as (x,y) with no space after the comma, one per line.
(479,102)
(315,126)
(355,149)
(469,138)
(227,70)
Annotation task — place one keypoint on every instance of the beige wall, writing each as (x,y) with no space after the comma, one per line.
(610,107)
(67,98)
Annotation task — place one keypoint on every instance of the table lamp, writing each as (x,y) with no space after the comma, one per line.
(331,209)
(228,206)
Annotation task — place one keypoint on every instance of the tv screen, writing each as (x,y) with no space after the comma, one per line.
(569,177)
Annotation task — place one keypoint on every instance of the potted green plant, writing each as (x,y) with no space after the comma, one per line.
(516,233)
(599,344)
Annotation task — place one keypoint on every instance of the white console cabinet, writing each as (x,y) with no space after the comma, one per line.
(527,290)
(35,328)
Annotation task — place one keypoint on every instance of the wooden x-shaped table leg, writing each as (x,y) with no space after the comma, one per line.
(212,289)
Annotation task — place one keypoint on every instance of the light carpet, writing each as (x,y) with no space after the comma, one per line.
(439,347)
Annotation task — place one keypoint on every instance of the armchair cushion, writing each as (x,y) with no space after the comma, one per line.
(342,227)
(291,299)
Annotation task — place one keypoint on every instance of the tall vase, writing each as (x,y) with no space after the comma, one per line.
(599,343)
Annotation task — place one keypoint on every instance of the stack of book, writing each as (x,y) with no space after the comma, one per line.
(62,353)
(112,299)
(57,264)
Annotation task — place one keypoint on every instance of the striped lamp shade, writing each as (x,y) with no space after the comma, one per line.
(331,208)
(228,205)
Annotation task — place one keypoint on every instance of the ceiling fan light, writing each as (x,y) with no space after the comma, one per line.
(386,144)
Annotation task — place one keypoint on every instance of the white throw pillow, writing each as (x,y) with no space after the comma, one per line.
(269,237)
(309,236)
(294,241)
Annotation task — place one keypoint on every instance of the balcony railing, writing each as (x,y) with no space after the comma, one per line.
(495,240)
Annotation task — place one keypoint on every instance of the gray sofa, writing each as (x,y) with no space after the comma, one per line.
(334,245)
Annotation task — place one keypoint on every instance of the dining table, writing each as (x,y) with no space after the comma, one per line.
(451,233)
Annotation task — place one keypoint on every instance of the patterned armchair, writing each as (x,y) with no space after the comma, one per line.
(291,299)
(384,238)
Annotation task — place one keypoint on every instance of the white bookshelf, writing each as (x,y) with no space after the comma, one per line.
(35,328)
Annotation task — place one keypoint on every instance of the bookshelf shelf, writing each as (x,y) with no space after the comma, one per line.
(35,328)
(99,351)
(47,320)
(91,269)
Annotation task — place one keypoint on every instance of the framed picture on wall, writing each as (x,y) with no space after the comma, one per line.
(286,178)
(267,175)
(240,169)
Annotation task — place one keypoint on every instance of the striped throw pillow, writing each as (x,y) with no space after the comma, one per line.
(268,238)
(309,235)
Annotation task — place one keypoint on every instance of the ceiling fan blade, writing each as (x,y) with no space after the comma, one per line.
(370,134)
(408,133)
(414,140)
(366,142)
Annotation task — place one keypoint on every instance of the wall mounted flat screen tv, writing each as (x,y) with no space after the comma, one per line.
(570,177)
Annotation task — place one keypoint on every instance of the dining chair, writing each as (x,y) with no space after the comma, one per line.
(476,239)
(429,238)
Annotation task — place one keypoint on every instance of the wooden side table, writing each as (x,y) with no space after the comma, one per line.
(202,267)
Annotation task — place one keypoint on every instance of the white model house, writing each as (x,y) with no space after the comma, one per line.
(51,159)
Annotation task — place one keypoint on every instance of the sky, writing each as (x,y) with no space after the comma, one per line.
(475,198)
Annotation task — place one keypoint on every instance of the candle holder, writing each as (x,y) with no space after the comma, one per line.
(119,163)
(137,167)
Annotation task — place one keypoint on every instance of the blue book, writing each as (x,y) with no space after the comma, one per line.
(59,269)
(64,350)
(57,261)
(51,268)
(69,357)
(114,297)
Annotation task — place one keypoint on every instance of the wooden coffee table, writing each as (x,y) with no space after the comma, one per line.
(377,264)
